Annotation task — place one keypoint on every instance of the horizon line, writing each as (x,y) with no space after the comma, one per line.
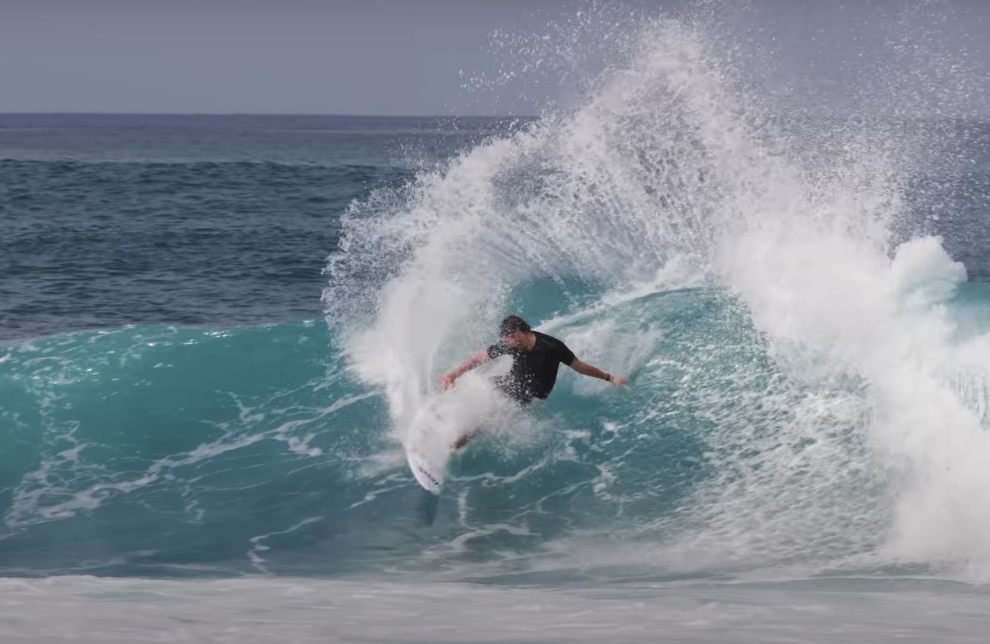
(234,114)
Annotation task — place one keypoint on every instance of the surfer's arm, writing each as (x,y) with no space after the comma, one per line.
(586,369)
(476,360)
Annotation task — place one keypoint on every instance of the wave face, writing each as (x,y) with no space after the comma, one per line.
(156,450)
(130,449)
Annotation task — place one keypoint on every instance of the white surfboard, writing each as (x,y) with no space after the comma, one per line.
(427,448)
(430,436)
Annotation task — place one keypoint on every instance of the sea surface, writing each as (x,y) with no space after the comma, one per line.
(217,331)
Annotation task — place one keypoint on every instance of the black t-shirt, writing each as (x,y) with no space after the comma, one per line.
(533,373)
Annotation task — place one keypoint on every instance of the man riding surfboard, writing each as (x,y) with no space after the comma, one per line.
(535,359)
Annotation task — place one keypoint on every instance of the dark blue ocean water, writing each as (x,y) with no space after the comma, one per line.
(111,220)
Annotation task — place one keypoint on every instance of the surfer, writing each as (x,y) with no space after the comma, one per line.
(535,359)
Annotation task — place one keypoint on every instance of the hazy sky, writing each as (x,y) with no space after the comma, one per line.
(323,56)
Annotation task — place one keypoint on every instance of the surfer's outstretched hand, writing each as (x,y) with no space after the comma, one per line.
(447,381)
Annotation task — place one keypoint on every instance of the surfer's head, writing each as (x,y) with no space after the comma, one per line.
(511,326)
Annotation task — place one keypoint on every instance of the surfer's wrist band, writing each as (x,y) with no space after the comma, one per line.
(608,376)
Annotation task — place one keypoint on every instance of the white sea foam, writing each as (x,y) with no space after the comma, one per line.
(674,169)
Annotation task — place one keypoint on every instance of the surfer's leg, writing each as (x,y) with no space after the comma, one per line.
(465,439)
(507,388)
(469,436)
(511,390)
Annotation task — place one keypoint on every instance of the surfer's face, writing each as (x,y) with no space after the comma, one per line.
(513,339)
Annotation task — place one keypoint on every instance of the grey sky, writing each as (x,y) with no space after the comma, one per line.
(327,56)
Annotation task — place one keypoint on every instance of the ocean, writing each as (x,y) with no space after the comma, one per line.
(216,331)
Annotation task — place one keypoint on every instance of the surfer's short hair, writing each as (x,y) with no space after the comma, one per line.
(511,324)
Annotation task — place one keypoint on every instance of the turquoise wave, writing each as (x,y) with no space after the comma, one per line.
(174,451)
